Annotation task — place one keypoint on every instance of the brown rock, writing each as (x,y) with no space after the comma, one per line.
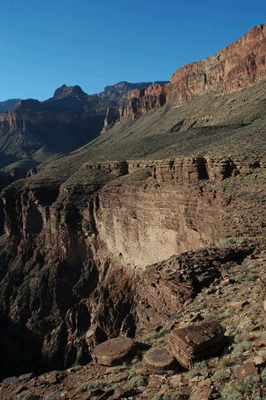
(196,342)
(119,377)
(113,351)
(203,394)
(245,370)
(231,69)
(159,359)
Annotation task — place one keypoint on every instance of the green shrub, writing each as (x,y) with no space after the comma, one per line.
(243,389)
(222,375)
(199,369)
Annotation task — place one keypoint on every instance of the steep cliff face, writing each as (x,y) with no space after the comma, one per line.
(142,100)
(59,287)
(143,225)
(236,66)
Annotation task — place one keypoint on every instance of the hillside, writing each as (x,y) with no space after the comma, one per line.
(154,231)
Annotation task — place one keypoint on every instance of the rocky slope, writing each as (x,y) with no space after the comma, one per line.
(156,224)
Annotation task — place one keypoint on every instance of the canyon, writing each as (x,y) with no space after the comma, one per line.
(127,234)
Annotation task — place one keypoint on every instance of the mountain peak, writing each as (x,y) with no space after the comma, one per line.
(65,91)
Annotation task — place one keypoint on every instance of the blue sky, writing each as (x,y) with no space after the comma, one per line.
(95,43)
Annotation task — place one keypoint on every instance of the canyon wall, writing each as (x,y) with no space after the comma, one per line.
(236,66)
(71,259)
(76,263)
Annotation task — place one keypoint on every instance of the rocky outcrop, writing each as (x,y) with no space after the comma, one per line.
(142,100)
(118,93)
(112,115)
(166,287)
(236,66)
(185,170)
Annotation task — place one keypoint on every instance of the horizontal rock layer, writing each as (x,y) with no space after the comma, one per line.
(186,170)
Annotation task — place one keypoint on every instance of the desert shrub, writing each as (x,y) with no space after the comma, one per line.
(222,375)
(243,389)
(199,369)
(95,385)
(172,395)
(136,381)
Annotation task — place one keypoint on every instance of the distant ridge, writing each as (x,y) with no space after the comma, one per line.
(8,105)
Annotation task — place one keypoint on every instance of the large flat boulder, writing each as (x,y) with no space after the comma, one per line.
(196,342)
(159,359)
(113,351)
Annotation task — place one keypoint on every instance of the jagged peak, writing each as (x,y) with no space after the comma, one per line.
(65,91)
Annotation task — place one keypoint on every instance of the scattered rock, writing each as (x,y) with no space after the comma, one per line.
(259,343)
(28,395)
(227,282)
(245,370)
(202,394)
(113,351)
(11,380)
(119,377)
(196,342)
(20,389)
(26,377)
(159,359)
(238,304)
(54,396)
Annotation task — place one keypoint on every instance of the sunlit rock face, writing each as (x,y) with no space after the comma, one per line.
(236,66)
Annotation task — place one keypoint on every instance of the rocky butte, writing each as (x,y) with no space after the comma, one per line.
(153,232)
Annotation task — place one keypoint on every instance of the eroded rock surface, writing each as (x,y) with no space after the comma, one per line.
(196,342)
(236,66)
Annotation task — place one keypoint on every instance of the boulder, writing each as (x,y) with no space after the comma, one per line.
(247,369)
(159,359)
(113,351)
(196,342)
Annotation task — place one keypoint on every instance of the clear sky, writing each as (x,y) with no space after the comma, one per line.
(95,43)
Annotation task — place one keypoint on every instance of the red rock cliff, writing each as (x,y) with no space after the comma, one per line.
(236,66)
